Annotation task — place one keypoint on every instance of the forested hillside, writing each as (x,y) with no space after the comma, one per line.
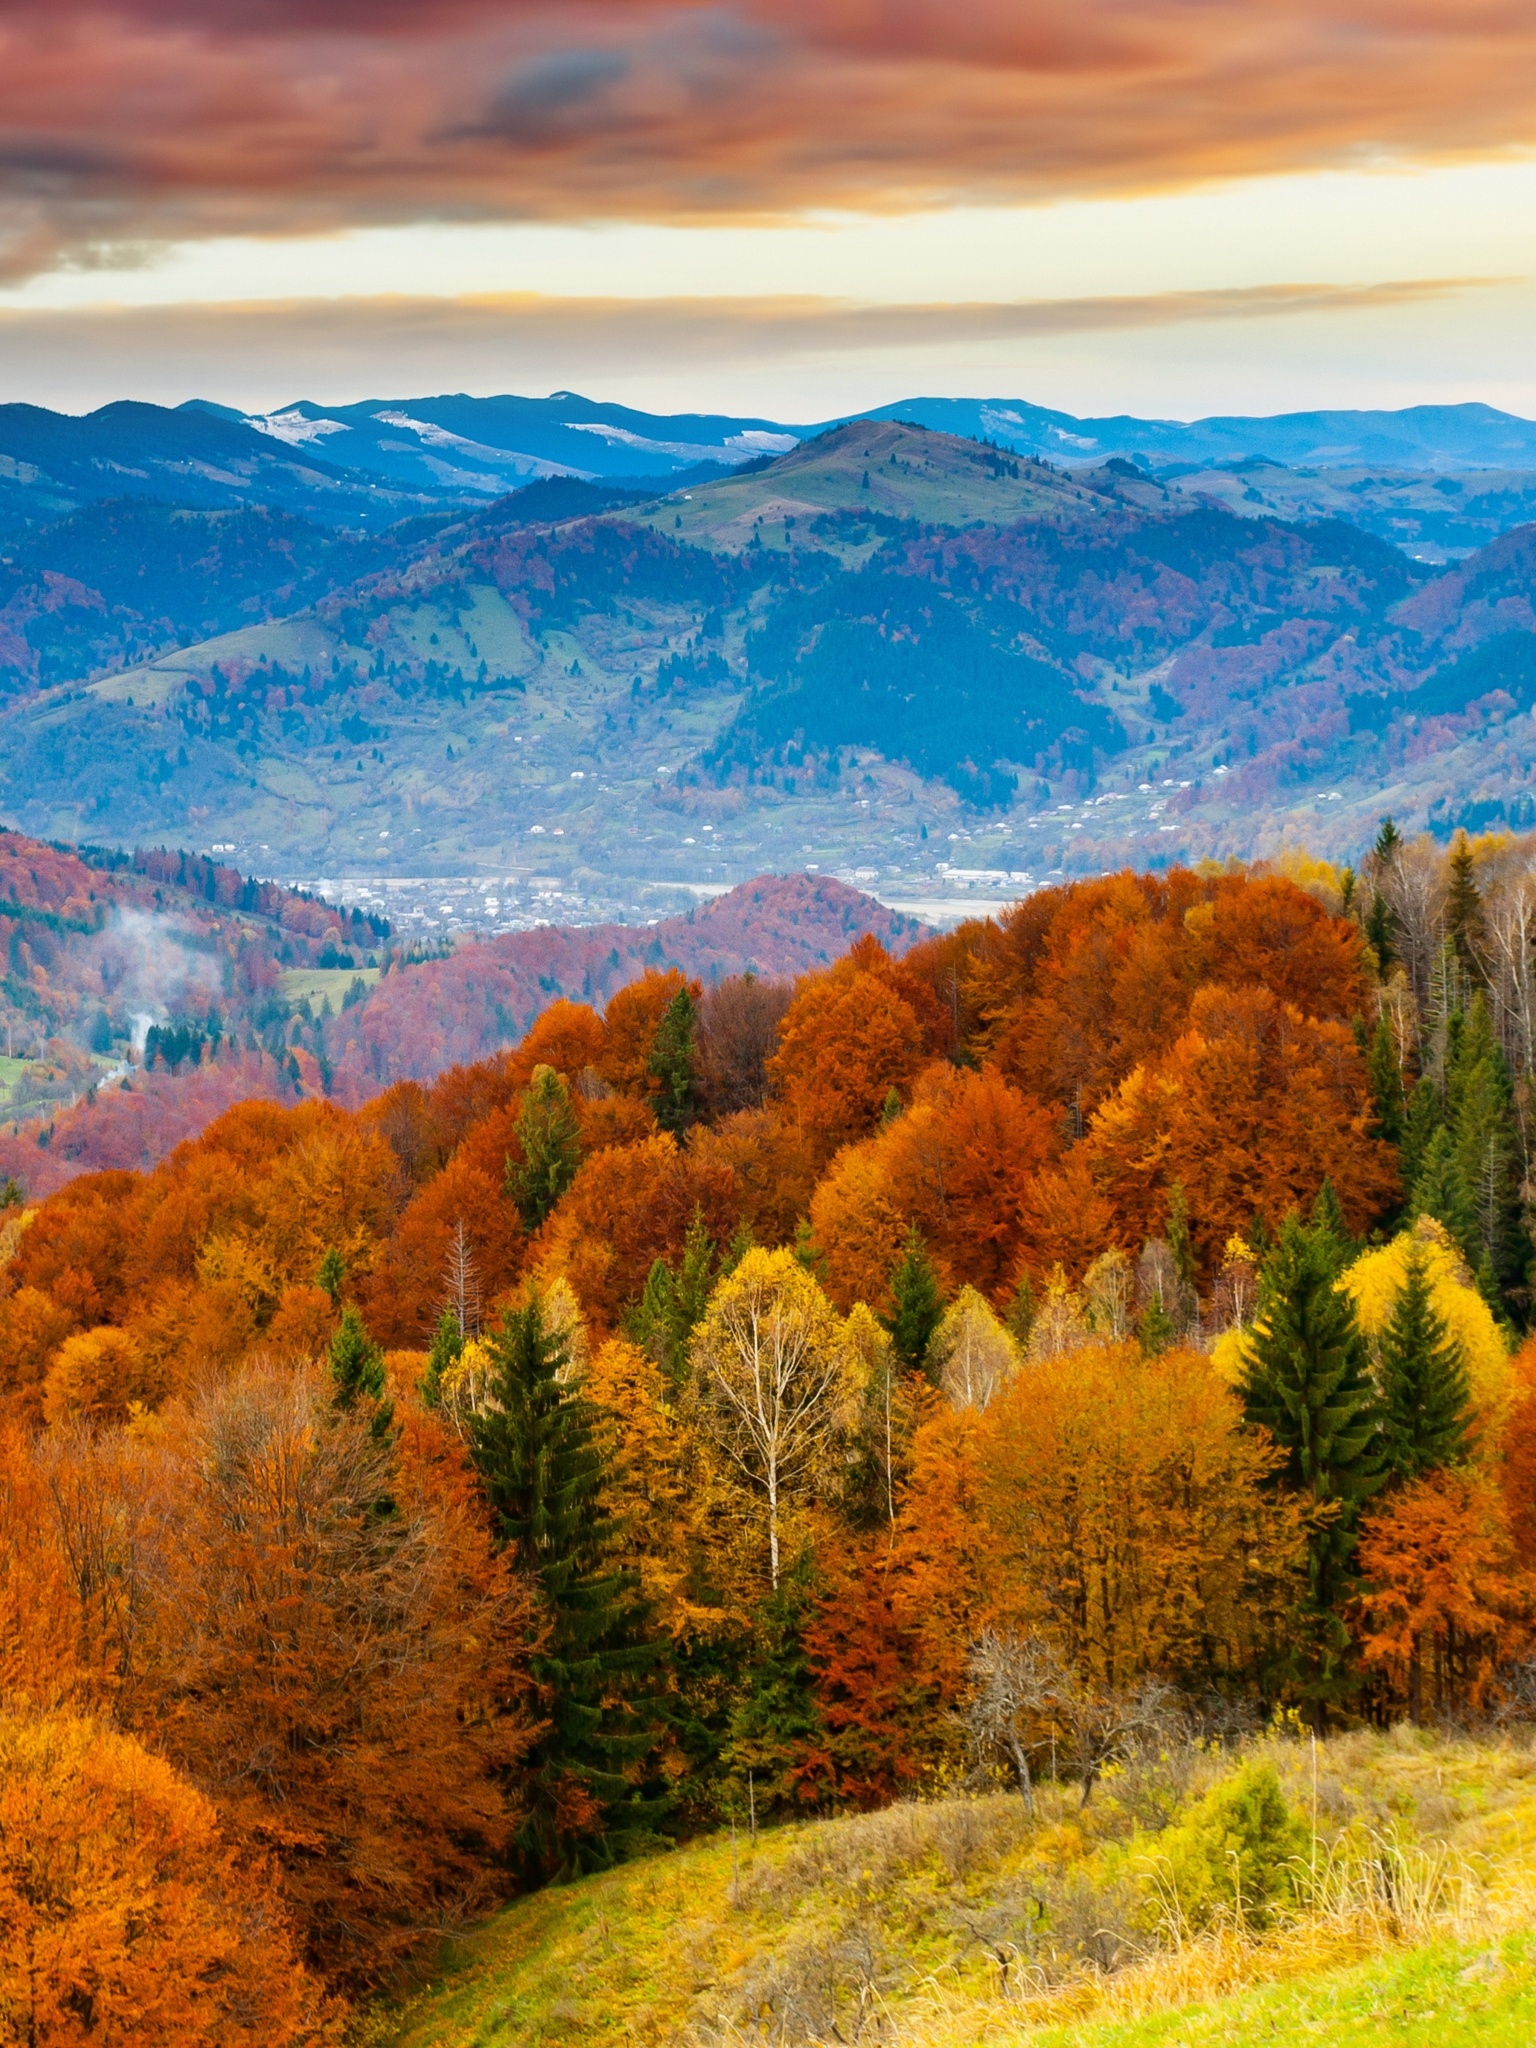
(885,648)
(1074,1341)
(146,994)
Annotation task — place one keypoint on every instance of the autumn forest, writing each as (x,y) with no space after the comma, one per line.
(756,1399)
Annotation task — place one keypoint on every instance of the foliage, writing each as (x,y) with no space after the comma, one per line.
(1422,1379)
(123,1916)
(771,1370)
(551,1148)
(1241,1852)
(1308,1383)
(544,1478)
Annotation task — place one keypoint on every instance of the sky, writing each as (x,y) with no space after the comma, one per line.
(785,208)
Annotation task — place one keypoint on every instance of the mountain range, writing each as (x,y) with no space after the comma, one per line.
(932,663)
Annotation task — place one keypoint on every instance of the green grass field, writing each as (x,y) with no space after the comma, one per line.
(322,985)
(1448,1995)
(892,1926)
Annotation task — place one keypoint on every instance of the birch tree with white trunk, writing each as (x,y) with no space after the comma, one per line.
(771,1376)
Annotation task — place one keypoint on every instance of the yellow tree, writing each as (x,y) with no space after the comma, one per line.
(970,1354)
(772,1381)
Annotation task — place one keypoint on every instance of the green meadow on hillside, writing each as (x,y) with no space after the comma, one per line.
(1407,1918)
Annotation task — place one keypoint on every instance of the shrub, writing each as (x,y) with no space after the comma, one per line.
(1238,1853)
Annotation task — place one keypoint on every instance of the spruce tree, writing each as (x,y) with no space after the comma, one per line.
(1388,842)
(672,1304)
(1441,1191)
(357,1373)
(546,1127)
(1329,1225)
(544,1479)
(1464,908)
(1387,1083)
(1308,1383)
(1022,1310)
(1154,1328)
(1481,1113)
(332,1274)
(1425,1392)
(446,1350)
(671,1064)
(916,1303)
(1381,932)
(1423,1118)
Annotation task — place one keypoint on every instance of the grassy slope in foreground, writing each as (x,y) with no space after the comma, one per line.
(914,1901)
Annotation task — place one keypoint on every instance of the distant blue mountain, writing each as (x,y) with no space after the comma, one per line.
(52,463)
(1421,437)
(483,447)
(367,464)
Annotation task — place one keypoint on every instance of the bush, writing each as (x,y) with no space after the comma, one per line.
(1239,1853)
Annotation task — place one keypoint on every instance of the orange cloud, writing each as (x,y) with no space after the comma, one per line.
(185,118)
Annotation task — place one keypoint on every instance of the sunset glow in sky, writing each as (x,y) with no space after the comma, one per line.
(778,206)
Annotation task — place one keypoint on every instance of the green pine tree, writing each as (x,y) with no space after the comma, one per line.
(1423,1118)
(777,1715)
(1388,843)
(544,1478)
(1485,1135)
(446,1350)
(672,1305)
(1387,1083)
(1154,1328)
(1441,1191)
(1308,1383)
(671,1064)
(1330,1227)
(546,1127)
(1022,1310)
(332,1275)
(1381,933)
(1464,909)
(916,1303)
(1425,1391)
(357,1370)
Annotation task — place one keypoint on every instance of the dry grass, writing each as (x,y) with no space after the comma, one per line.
(960,1923)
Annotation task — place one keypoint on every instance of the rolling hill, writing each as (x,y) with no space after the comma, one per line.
(143,995)
(915,660)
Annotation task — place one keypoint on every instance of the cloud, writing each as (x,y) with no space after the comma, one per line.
(271,351)
(165,119)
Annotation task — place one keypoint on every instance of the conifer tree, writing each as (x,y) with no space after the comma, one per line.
(357,1373)
(673,1304)
(1441,1191)
(1019,1321)
(1154,1328)
(1381,933)
(447,1348)
(916,1303)
(1387,1083)
(546,1126)
(1480,1105)
(1388,842)
(1425,1393)
(671,1064)
(1330,1227)
(1308,1383)
(332,1273)
(1423,1118)
(544,1479)
(1464,909)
